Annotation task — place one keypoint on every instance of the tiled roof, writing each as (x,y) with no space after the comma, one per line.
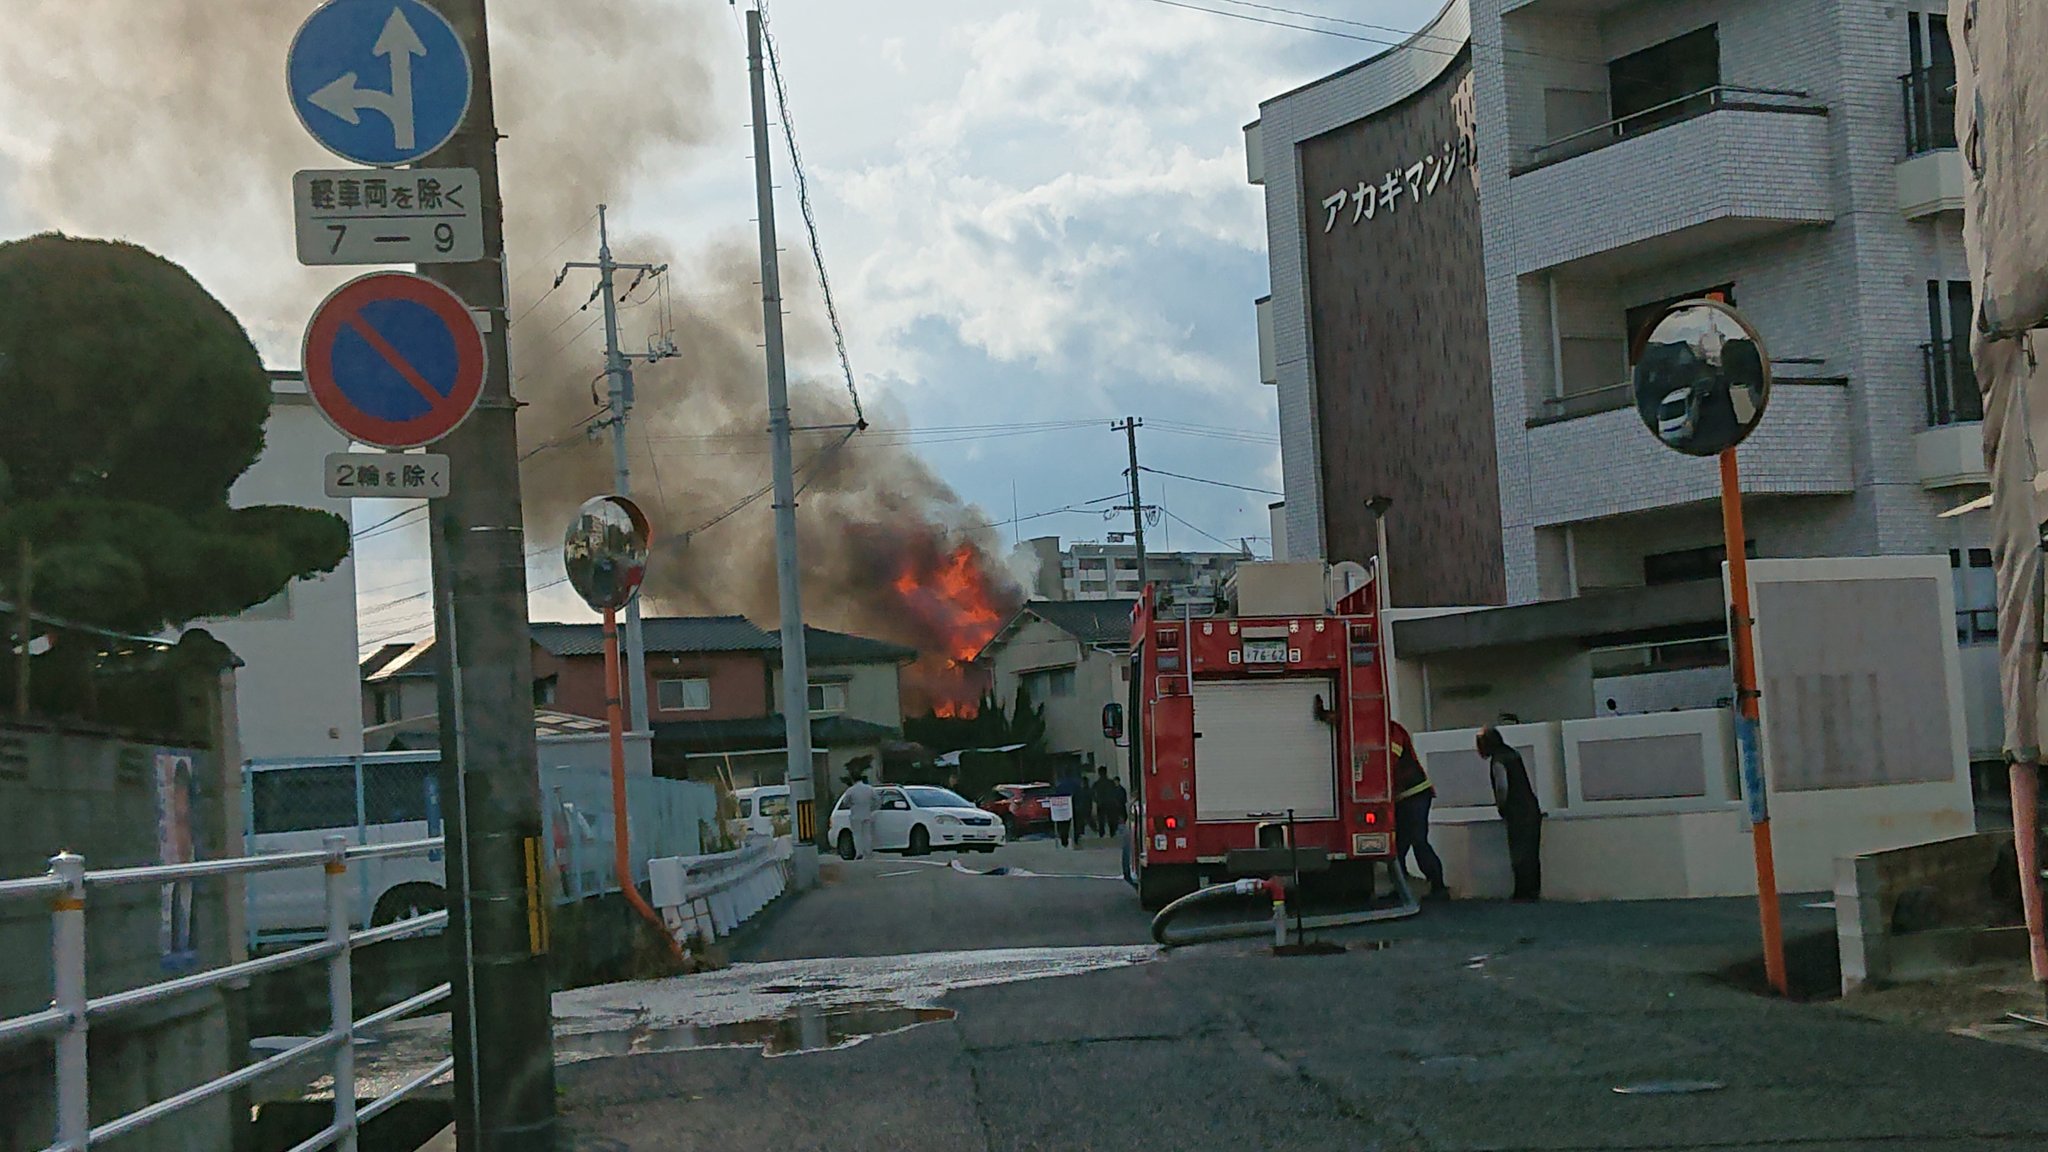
(823,646)
(1101,623)
(764,732)
(662,634)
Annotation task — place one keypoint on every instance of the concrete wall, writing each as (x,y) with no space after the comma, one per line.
(1913,912)
(299,689)
(95,796)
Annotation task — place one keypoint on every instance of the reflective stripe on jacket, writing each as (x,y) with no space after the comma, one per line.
(1410,778)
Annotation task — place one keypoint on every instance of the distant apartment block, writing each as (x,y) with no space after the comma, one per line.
(1086,571)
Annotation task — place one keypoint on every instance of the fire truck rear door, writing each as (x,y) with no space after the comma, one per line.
(1263,750)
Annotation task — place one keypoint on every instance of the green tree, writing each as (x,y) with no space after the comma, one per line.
(133,400)
(1027,722)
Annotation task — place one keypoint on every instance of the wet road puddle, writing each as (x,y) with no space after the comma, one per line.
(807,1028)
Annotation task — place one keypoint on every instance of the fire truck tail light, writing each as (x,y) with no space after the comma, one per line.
(1371,818)
(1169,823)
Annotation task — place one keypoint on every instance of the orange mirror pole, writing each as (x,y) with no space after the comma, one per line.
(1746,713)
(622,861)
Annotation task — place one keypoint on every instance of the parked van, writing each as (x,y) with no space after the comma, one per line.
(381,798)
(764,812)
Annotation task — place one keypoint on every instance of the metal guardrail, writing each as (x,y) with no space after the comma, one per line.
(704,897)
(72,1012)
(1732,97)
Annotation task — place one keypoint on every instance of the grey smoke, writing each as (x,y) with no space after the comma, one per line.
(166,123)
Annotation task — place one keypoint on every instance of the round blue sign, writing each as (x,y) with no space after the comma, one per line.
(378,82)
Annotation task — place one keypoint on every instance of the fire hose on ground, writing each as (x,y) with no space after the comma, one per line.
(1252,886)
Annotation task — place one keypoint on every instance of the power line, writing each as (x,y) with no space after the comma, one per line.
(1218,539)
(1408,39)
(803,200)
(1217,483)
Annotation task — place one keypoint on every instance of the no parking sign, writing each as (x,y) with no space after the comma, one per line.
(394,360)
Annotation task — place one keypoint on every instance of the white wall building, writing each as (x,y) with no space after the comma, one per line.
(299,692)
(1795,157)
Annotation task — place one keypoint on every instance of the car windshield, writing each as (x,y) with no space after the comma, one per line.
(927,797)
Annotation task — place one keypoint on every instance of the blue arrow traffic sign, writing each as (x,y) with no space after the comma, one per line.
(379,82)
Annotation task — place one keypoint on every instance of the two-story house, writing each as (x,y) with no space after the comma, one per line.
(713,691)
(1071,657)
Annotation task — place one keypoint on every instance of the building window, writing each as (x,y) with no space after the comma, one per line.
(1976,585)
(383,700)
(1049,684)
(828,699)
(544,691)
(1652,85)
(692,694)
(1643,317)
(1689,564)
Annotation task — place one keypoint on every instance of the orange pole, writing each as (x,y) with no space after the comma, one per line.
(622,861)
(1746,697)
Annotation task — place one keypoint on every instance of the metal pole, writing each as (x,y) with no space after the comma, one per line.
(620,380)
(796,676)
(340,994)
(504,1057)
(1130,428)
(67,953)
(1753,788)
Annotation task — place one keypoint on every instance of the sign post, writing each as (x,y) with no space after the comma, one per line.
(398,361)
(1702,381)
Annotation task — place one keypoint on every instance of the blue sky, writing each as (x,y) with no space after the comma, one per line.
(1032,212)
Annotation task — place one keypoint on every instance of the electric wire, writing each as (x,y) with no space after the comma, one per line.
(1204,480)
(803,199)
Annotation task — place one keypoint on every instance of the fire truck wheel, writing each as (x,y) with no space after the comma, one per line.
(1354,882)
(1162,884)
(920,841)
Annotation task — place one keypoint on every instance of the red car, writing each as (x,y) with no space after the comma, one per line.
(1021,806)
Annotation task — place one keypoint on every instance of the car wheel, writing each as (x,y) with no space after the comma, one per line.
(984,847)
(846,845)
(1009,828)
(407,901)
(920,841)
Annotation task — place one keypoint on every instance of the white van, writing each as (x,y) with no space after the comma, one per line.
(381,798)
(764,812)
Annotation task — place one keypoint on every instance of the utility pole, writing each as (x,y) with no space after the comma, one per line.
(796,675)
(503,1038)
(1130,428)
(619,377)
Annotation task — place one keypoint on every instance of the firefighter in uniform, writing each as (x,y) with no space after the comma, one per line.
(1412,796)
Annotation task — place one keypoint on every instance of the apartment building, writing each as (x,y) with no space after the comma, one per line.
(1795,158)
(1092,571)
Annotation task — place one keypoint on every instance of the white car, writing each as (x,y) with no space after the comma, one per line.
(916,818)
(763,812)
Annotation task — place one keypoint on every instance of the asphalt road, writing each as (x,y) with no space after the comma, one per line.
(1474,1026)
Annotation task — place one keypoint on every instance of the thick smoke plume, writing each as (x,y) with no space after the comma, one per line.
(187,145)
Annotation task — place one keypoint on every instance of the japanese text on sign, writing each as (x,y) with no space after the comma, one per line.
(422,216)
(1371,199)
(394,476)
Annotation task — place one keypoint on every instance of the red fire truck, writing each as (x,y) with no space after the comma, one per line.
(1272,703)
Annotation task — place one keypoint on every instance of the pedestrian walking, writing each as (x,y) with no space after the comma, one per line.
(1084,805)
(1110,800)
(1413,794)
(1519,809)
(1061,805)
(860,816)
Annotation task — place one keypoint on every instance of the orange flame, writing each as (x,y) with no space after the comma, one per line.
(959,601)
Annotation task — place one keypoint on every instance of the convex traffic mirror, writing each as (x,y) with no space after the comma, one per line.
(605,552)
(1703,378)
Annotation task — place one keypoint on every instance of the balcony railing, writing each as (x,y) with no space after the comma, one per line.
(1791,370)
(1722,96)
(1929,96)
(1952,396)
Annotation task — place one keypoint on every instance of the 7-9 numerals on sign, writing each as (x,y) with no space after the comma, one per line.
(444,238)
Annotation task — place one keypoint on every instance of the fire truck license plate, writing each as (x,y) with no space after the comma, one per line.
(1265,651)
